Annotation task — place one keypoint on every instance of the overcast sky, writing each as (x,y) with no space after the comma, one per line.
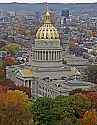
(49,1)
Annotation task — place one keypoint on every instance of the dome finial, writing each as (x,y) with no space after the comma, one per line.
(47,17)
(46,7)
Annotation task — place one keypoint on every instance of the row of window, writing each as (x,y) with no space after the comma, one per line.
(51,36)
(48,29)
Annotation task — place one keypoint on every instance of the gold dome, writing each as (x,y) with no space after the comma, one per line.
(47,30)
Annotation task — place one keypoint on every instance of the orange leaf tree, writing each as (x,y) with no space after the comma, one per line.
(89,118)
(15,108)
(24,89)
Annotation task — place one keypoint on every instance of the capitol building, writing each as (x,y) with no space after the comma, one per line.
(45,73)
(47,52)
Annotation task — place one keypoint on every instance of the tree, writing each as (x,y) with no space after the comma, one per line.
(63,110)
(89,118)
(72,106)
(2,74)
(92,96)
(10,61)
(42,111)
(70,121)
(8,84)
(2,70)
(72,46)
(24,89)
(75,91)
(15,108)
(90,74)
(12,48)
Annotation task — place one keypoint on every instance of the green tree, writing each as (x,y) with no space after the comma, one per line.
(12,48)
(75,91)
(2,70)
(42,111)
(63,110)
(70,107)
(90,74)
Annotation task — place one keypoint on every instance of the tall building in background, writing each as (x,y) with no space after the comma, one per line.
(64,17)
(64,27)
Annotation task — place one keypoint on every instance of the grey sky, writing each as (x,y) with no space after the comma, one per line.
(49,1)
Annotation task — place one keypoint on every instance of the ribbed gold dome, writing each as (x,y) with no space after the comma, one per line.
(47,30)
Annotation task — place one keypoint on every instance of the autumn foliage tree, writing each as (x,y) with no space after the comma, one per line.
(15,108)
(92,96)
(12,48)
(2,74)
(8,84)
(10,61)
(24,89)
(89,118)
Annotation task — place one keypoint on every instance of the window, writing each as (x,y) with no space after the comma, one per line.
(29,83)
(55,56)
(25,83)
(41,55)
(46,55)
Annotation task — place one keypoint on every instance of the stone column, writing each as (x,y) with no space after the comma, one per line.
(28,84)
(24,83)
(58,55)
(37,55)
(51,55)
(48,56)
(42,54)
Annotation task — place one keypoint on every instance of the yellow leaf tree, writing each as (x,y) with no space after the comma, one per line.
(15,108)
